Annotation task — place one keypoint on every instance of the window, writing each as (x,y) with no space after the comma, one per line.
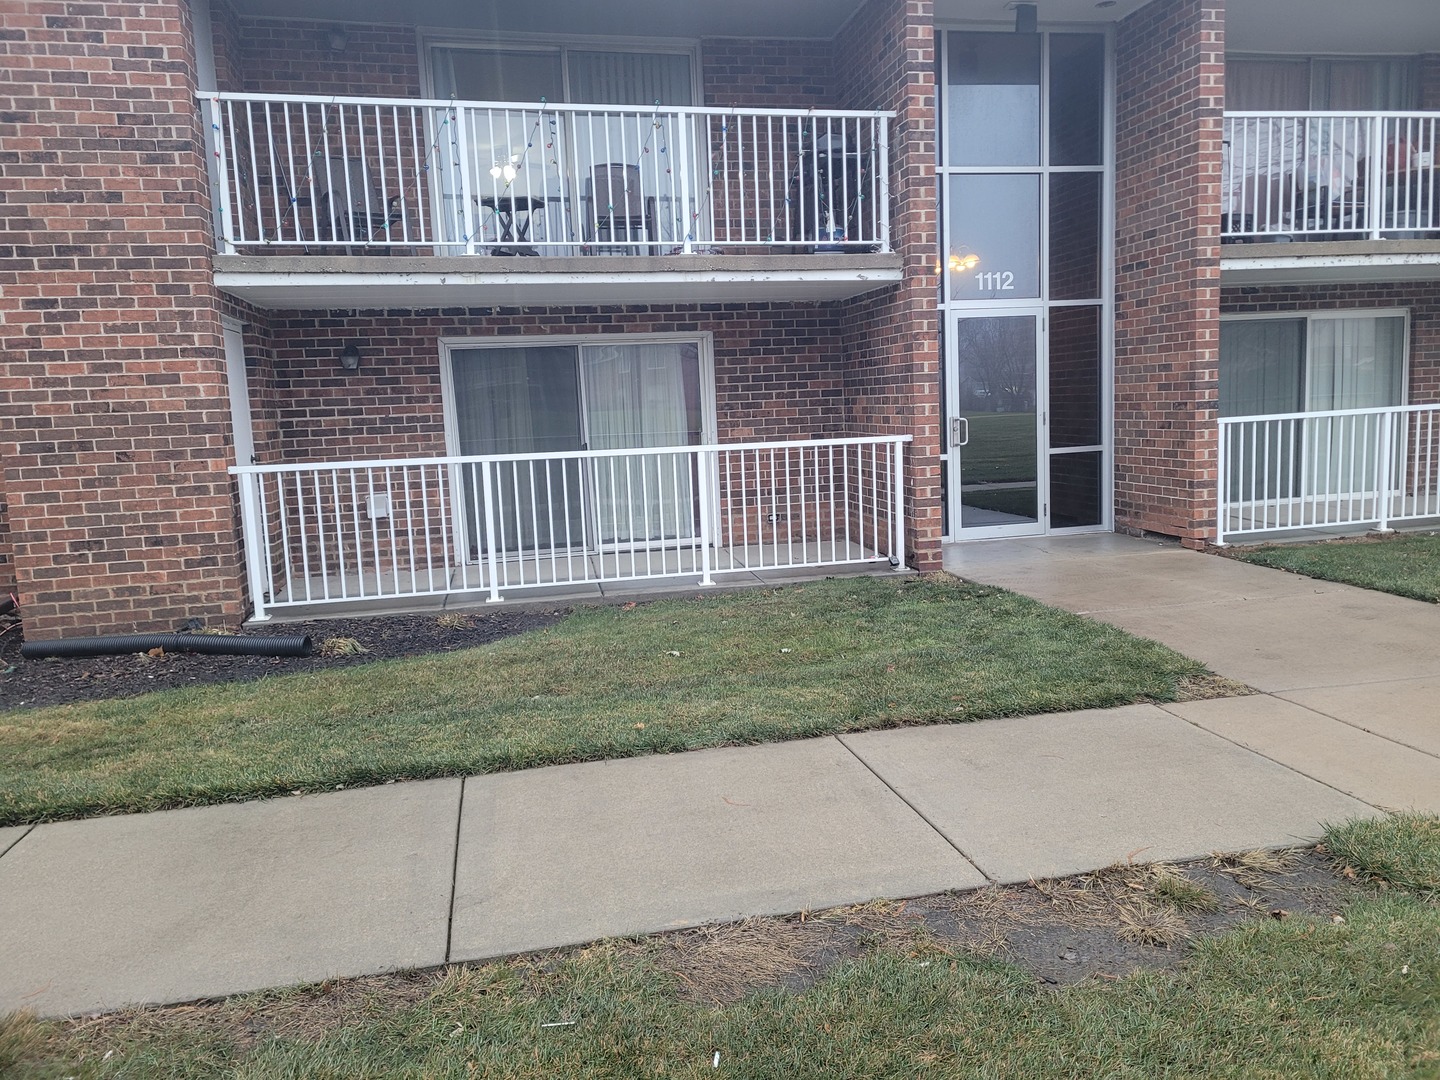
(1312,363)
(1291,84)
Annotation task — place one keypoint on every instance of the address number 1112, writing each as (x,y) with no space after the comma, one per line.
(996,280)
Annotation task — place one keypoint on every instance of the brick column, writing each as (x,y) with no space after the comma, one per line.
(885,59)
(115,433)
(1169,112)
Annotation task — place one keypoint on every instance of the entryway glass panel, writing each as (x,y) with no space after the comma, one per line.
(996,434)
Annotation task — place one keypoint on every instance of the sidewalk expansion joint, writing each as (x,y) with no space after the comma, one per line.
(1352,724)
(1277,761)
(454,871)
(16,842)
(915,810)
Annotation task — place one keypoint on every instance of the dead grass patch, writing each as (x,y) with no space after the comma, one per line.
(1208,686)
(1253,869)
(718,965)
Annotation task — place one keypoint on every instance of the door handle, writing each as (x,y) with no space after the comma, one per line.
(959,431)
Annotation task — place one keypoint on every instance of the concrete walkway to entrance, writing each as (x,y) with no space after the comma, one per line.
(173,906)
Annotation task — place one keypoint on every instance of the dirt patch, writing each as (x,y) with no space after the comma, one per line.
(26,683)
(1205,687)
(1091,926)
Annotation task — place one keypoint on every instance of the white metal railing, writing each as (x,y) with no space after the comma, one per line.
(1330,175)
(463,177)
(1319,470)
(361,531)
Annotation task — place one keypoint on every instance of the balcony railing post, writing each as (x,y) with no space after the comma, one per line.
(254,539)
(1375,179)
(880,190)
(709,499)
(492,562)
(1222,485)
(458,120)
(686,164)
(897,504)
(219,170)
(1383,467)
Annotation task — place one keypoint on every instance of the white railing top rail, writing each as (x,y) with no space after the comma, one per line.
(1331,114)
(475,459)
(1230,421)
(540,106)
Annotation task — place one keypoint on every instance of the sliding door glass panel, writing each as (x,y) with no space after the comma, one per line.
(1076,490)
(1353,363)
(522,401)
(1075,242)
(1261,361)
(630,78)
(507,155)
(1075,383)
(994,243)
(995,360)
(1261,370)
(992,99)
(640,395)
(1356,363)
(1077,99)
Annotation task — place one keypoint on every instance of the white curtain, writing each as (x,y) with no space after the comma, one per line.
(1356,363)
(643,395)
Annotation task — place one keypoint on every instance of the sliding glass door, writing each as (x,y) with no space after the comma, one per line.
(542,399)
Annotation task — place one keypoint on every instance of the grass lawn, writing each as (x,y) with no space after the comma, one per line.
(746,667)
(1300,997)
(1001,448)
(1406,565)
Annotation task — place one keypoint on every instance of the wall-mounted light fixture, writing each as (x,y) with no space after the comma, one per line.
(350,357)
(1026,18)
(339,38)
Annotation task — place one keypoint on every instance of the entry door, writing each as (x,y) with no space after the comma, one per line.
(996,436)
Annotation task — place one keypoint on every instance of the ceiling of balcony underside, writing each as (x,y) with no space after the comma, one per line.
(661,18)
(1318,27)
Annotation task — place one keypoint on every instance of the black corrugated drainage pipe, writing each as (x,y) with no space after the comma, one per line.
(210,644)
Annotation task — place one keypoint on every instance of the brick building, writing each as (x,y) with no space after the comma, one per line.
(322,302)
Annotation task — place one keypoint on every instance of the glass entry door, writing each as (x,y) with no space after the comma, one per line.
(995,426)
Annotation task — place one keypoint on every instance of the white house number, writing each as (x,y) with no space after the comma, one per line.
(996,280)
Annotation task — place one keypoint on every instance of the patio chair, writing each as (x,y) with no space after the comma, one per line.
(350,211)
(617,210)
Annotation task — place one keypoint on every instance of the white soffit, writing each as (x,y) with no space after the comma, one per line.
(582,18)
(1321,27)
(329,291)
(1048,12)
(1330,269)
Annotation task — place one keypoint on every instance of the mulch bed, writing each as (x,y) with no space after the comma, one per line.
(27,683)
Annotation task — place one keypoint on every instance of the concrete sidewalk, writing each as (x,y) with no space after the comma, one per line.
(172,906)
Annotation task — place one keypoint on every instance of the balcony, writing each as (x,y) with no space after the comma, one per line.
(1358,192)
(1327,472)
(333,201)
(328,537)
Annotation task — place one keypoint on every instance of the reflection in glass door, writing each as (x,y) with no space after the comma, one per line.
(995,433)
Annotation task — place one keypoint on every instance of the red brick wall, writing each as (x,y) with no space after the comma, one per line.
(293,56)
(1170,74)
(885,59)
(1422,299)
(775,371)
(115,418)
(767,73)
